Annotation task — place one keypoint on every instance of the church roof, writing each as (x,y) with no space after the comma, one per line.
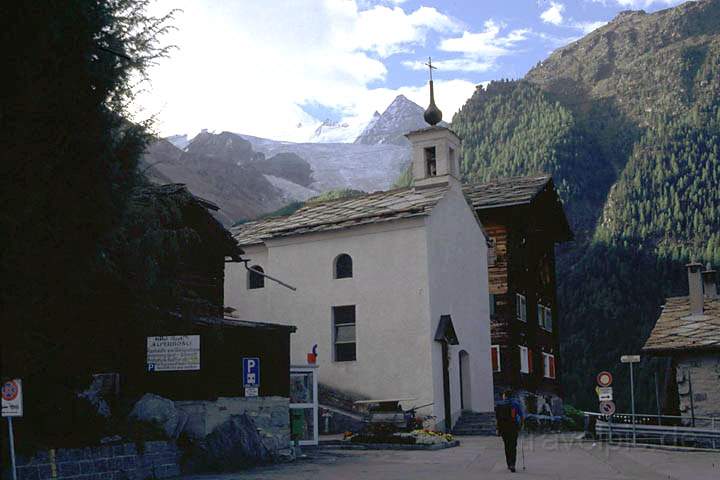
(506,192)
(677,330)
(345,213)
(390,205)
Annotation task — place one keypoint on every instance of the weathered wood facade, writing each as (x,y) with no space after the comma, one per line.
(525,219)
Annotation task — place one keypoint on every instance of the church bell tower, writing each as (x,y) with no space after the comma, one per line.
(434,148)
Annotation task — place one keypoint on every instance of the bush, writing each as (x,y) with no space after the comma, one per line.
(574,418)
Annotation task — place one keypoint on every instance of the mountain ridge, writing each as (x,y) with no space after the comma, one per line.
(627,120)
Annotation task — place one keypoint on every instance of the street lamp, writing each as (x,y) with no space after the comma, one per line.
(631,359)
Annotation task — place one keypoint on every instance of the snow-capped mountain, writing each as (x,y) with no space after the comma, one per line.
(247,176)
(401,117)
(344,131)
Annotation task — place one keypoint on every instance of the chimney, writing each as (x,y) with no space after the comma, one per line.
(696,288)
(710,282)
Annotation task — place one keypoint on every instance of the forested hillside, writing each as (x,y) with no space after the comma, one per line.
(627,120)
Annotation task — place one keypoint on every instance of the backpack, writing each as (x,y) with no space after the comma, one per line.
(506,415)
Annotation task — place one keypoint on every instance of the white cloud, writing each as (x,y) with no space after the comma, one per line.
(479,50)
(249,67)
(386,30)
(452,65)
(553,14)
(587,27)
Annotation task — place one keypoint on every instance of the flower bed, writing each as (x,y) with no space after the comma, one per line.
(416,437)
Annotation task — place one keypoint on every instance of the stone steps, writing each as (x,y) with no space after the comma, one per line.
(475,423)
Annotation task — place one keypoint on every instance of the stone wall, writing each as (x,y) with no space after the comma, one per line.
(270,414)
(114,462)
(704,372)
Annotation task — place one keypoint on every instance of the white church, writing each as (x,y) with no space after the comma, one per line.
(392,286)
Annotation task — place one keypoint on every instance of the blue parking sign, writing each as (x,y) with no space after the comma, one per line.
(251,371)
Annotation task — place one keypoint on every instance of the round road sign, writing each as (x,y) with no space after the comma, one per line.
(604,379)
(607,408)
(10,391)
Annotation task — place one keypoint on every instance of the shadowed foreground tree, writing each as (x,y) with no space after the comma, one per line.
(68,168)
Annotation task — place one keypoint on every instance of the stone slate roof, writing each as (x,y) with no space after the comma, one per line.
(390,205)
(506,192)
(676,330)
(345,213)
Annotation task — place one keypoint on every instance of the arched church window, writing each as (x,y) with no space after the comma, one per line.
(343,266)
(254,279)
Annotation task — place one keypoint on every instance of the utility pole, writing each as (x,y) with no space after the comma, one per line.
(657,398)
(692,401)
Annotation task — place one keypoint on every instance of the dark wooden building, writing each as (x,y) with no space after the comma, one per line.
(525,219)
(195,307)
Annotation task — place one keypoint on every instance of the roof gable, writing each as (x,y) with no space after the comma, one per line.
(677,330)
(506,192)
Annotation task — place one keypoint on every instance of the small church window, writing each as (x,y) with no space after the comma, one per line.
(254,279)
(430,162)
(343,266)
(344,333)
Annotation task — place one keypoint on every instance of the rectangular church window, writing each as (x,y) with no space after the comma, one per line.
(344,333)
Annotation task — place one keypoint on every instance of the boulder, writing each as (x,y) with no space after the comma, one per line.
(161,411)
(232,445)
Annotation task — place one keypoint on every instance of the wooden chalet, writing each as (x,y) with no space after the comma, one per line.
(525,219)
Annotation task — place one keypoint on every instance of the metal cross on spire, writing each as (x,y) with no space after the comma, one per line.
(430,67)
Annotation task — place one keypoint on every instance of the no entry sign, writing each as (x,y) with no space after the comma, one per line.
(604,379)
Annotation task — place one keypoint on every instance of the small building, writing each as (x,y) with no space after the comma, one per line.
(192,352)
(688,331)
(525,219)
(392,287)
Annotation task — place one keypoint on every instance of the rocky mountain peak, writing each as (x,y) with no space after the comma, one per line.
(400,117)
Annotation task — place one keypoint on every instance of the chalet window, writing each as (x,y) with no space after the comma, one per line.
(544,316)
(495,358)
(492,305)
(343,266)
(430,162)
(521,307)
(548,365)
(344,333)
(525,360)
(548,319)
(255,280)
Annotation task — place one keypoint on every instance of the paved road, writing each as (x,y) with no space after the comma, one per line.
(547,457)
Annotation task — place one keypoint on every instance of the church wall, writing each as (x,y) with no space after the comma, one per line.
(458,275)
(388,288)
(254,302)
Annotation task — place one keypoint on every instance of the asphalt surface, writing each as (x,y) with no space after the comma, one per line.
(546,457)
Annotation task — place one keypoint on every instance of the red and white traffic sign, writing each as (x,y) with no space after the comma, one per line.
(604,379)
(607,408)
(12,398)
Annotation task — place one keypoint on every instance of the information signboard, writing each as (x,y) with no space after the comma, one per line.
(173,353)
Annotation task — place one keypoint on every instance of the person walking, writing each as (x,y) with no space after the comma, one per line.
(510,417)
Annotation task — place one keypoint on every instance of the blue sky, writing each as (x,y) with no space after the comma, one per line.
(277,68)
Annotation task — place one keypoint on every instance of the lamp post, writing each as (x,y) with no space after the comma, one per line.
(632,359)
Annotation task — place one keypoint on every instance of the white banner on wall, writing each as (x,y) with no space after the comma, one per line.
(173,353)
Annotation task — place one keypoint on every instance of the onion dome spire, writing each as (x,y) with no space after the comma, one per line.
(432,115)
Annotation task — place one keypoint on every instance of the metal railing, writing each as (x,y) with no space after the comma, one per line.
(673,429)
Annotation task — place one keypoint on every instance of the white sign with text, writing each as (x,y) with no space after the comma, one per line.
(173,353)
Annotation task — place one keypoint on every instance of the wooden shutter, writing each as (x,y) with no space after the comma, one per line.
(494,358)
(552,366)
